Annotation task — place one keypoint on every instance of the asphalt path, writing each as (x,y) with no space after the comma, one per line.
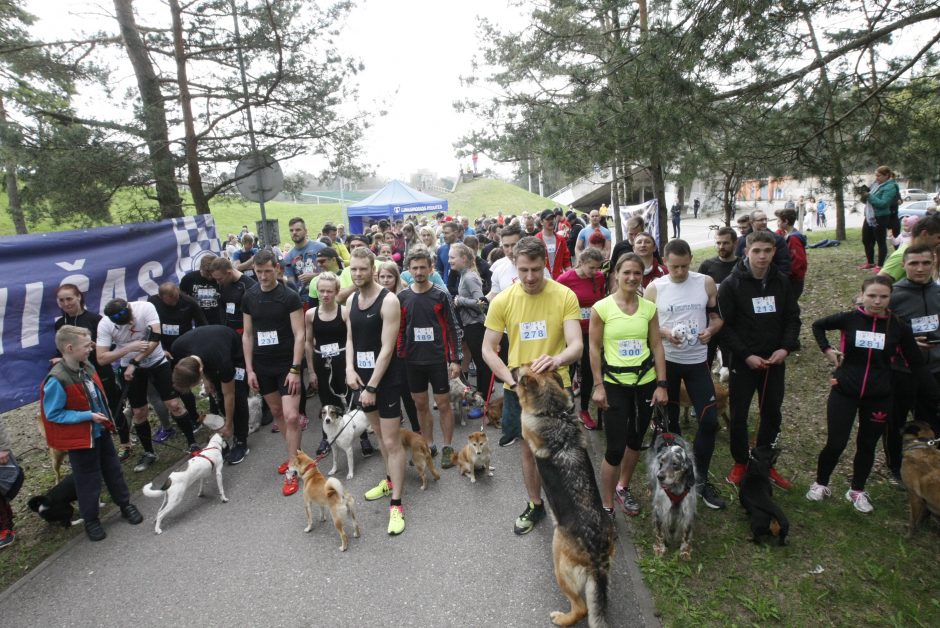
(249,563)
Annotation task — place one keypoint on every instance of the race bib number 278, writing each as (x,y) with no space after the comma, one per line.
(534,330)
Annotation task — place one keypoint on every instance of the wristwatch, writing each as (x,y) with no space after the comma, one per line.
(662,383)
(370,389)
(135,363)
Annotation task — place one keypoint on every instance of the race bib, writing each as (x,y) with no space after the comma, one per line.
(206,297)
(764,305)
(365,359)
(869,340)
(229,308)
(585,313)
(535,330)
(267,338)
(239,374)
(629,348)
(330,350)
(424,334)
(924,324)
(171,330)
(550,248)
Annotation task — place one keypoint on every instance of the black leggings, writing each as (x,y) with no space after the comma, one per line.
(473,336)
(875,235)
(698,383)
(840,416)
(768,384)
(626,419)
(587,375)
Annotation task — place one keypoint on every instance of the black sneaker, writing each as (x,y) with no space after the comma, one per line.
(434,451)
(94,531)
(324,447)
(367,449)
(711,497)
(507,439)
(238,453)
(144,463)
(529,517)
(131,513)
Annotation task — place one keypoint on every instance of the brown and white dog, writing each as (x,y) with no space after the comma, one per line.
(460,393)
(326,494)
(420,455)
(57,456)
(583,543)
(920,472)
(343,430)
(475,455)
(671,467)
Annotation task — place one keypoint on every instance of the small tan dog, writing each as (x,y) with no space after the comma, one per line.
(494,413)
(920,472)
(475,455)
(57,456)
(326,493)
(420,456)
(721,402)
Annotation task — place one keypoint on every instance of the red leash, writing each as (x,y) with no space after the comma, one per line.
(489,393)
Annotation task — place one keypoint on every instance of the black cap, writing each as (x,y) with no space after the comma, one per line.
(118,311)
(545,215)
(328,252)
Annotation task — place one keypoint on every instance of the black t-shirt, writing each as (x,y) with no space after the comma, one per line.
(270,320)
(177,320)
(219,348)
(623,247)
(230,301)
(429,327)
(717,269)
(206,293)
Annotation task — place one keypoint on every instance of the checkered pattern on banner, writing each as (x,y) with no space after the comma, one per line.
(195,238)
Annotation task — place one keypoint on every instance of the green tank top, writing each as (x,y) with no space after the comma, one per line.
(626,342)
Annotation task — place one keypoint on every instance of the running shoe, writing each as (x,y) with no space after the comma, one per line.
(817,492)
(238,453)
(631,507)
(433,451)
(736,473)
(507,439)
(284,467)
(6,538)
(711,496)
(779,480)
(131,513)
(529,517)
(94,531)
(291,484)
(396,520)
(447,457)
(367,449)
(124,452)
(587,420)
(145,462)
(383,489)
(163,434)
(860,500)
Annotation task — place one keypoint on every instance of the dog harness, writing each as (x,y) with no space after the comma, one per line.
(198,454)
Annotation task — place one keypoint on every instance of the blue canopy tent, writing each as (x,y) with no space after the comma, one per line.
(393,201)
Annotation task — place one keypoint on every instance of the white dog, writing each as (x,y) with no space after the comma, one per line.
(254,413)
(199,467)
(342,430)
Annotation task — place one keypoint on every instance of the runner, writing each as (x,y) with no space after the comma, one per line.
(300,263)
(373,322)
(233,284)
(200,285)
(273,343)
(718,268)
(542,319)
(389,277)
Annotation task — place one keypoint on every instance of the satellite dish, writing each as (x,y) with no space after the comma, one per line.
(264,184)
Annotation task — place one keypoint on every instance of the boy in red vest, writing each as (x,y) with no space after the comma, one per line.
(76,417)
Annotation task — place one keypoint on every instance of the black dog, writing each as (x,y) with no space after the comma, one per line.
(767,519)
(56,505)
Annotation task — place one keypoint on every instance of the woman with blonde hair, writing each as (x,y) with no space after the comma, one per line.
(429,239)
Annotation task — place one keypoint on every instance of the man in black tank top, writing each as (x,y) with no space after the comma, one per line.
(373,320)
(273,342)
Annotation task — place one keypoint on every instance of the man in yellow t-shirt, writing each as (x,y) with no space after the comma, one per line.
(542,319)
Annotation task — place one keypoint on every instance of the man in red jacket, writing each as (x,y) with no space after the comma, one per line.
(558,259)
(76,417)
(796,245)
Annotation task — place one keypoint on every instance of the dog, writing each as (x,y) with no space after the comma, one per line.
(920,472)
(55,506)
(57,456)
(756,496)
(199,467)
(720,369)
(460,393)
(420,456)
(671,465)
(494,413)
(255,408)
(583,542)
(343,430)
(721,403)
(326,493)
(475,455)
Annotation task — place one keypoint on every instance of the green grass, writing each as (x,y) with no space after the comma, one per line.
(488,196)
(872,573)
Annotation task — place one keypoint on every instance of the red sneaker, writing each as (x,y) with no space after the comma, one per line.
(284,467)
(779,480)
(736,473)
(876,269)
(291,484)
(587,420)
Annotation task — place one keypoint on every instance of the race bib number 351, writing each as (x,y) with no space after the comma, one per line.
(535,330)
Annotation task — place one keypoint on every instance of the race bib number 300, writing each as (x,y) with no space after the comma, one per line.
(424,334)
(629,348)
(267,338)
(869,340)
(764,305)
(365,359)
(535,330)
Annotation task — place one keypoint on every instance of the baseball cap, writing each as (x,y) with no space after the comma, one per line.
(328,252)
(545,215)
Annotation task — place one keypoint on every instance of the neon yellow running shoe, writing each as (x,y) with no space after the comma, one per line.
(384,489)
(396,520)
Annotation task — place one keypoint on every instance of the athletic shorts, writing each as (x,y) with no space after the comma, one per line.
(273,378)
(161,375)
(420,375)
(387,394)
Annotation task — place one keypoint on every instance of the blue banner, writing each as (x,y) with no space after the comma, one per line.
(126,261)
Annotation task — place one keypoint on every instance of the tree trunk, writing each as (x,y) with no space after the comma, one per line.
(154,113)
(615,199)
(189,128)
(13,191)
(659,190)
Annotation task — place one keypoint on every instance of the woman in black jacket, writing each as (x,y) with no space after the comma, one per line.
(861,384)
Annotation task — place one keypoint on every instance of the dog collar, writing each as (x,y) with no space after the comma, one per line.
(198,454)
(675,499)
(921,444)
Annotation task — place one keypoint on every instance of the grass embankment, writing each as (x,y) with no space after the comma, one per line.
(840,567)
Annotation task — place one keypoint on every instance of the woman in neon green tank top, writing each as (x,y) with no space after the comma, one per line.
(629,369)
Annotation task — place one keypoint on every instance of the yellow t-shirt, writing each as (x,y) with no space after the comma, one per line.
(626,339)
(534,322)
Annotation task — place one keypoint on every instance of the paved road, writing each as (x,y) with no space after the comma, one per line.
(248,562)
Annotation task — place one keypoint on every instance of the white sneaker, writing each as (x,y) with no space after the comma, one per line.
(818,492)
(860,500)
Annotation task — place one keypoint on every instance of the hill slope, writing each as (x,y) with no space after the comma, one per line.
(488,196)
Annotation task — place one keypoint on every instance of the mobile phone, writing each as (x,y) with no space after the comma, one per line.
(933,341)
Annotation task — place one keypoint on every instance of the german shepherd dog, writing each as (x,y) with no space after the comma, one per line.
(672,481)
(756,495)
(583,543)
(920,472)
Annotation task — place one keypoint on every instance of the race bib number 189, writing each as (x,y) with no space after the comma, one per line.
(535,330)
(424,334)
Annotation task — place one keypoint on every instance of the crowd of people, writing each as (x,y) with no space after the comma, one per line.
(377,318)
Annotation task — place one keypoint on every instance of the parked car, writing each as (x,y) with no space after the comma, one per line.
(915,208)
(915,194)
